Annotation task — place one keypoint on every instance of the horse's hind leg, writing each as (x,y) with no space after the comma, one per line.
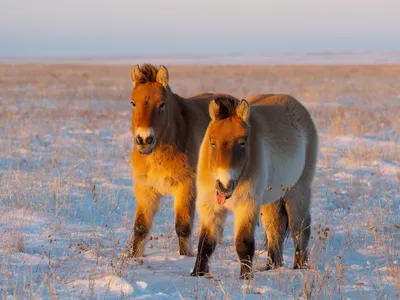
(147,201)
(275,220)
(184,202)
(298,208)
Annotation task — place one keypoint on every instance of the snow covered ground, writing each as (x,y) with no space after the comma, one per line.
(66,203)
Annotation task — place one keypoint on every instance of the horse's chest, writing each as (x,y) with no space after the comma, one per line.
(163,174)
(162,179)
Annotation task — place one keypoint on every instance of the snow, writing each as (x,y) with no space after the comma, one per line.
(108,284)
(67,214)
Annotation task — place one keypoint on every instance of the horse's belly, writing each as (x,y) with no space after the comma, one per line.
(284,172)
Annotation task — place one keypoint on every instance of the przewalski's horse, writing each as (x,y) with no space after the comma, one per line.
(167,131)
(250,156)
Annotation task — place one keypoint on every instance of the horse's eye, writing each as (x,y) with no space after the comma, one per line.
(242,144)
(133,103)
(212,143)
(162,105)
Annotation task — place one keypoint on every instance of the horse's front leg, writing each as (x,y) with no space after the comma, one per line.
(185,205)
(246,216)
(212,219)
(147,202)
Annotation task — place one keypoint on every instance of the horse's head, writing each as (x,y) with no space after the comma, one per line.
(150,97)
(227,137)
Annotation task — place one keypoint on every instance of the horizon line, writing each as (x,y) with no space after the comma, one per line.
(182,55)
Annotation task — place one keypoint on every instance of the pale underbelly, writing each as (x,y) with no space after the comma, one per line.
(284,172)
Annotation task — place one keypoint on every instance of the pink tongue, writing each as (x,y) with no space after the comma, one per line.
(221,199)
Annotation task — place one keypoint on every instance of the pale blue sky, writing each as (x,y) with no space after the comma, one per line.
(90,27)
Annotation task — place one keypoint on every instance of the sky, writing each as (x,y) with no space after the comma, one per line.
(174,27)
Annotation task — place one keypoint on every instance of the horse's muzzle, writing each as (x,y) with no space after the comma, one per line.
(145,146)
(227,191)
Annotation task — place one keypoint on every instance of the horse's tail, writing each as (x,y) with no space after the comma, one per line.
(284,212)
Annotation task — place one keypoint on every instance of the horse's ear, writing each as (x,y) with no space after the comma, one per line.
(136,74)
(213,110)
(162,76)
(243,110)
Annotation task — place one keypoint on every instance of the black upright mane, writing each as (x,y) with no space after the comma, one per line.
(149,74)
(227,106)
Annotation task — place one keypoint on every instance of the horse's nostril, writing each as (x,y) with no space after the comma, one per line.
(149,140)
(219,185)
(230,185)
(139,140)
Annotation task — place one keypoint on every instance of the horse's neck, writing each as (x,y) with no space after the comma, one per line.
(175,133)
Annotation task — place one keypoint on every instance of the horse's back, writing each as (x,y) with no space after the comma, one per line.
(199,103)
(196,107)
(202,96)
(260,99)
(280,108)
(270,99)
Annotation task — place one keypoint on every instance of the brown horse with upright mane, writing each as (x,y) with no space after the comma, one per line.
(167,131)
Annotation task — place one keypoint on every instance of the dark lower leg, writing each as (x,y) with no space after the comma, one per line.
(276,224)
(184,215)
(245,247)
(206,247)
(275,257)
(141,230)
(183,229)
(147,201)
(301,238)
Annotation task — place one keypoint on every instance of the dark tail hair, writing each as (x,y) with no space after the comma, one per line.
(283,209)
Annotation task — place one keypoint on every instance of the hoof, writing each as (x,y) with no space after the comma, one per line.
(200,271)
(270,267)
(134,250)
(133,254)
(185,248)
(186,253)
(246,276)
(300,267)
(198,274)
(206,275)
